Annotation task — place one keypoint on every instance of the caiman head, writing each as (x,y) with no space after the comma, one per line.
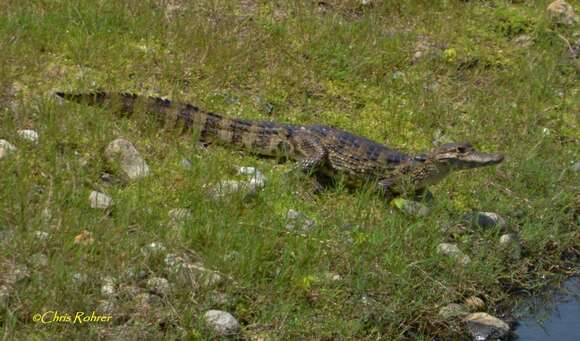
(430,168)
(463,155)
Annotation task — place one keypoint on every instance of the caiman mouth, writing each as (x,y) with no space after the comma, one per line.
(474,160)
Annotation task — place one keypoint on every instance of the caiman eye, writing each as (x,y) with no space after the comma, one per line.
(461,149)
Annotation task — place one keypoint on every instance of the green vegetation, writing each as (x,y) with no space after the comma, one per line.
(336,63)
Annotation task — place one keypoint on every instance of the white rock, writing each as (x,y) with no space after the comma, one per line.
(41,235)
(512,243)
(7,145)
(484,326)
(563,13)
(158,285)
(453,251)
(109,289)
(154,248)
(128,158)
(6,148)
(28,135)
(4,295)
(100,200)
(257,179)
(222,322)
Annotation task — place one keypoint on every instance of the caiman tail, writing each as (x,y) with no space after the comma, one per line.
(264,138)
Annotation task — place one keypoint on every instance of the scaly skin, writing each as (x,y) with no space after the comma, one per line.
(322,149)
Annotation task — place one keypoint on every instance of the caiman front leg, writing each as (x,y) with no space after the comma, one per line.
(387,187)
(312,157)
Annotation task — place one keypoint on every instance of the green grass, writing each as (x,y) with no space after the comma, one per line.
(290,62)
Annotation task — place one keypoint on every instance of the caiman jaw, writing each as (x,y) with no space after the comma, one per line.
(463,156)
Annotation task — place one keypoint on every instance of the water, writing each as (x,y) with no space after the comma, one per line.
(554,315)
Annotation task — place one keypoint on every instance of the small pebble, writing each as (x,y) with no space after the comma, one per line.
(41,235)
(158,285)
(4,295)
(100,200)
(39,260)
(453,251)
(78,277)
(486,219)
(6,148)
(109,288)
(122,153)
(221,322)
(28,135)
(154,248)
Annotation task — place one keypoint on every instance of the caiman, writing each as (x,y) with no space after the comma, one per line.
(317,149)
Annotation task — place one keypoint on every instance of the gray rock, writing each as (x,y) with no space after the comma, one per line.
(483,326)
(562,13)
(576,167)
(39,260)
(100,200)
(122,153)
(257,179)
(453,310)
(28,135)
(453,251)
(486,219)
(511,243)
(221,322)
(158,285)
